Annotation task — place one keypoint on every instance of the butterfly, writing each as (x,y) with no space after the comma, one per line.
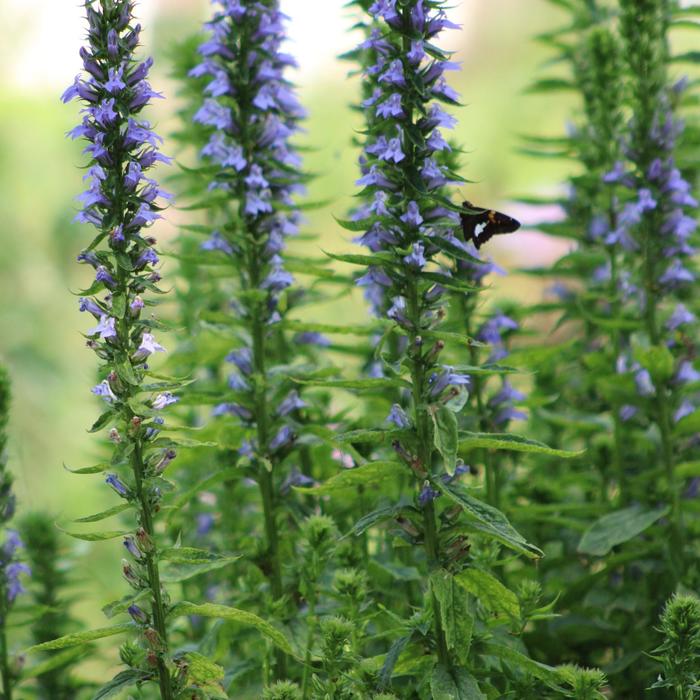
(485,223)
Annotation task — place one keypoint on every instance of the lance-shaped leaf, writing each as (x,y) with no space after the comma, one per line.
(618,527)
(368,475)
(123,679)
(115,510)
(184,563)
(489,520)
(453,684)
(511,442)
(490,592)
(243,617)
(79,638)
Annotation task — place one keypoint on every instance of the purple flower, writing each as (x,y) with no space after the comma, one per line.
(416,257)
(138,615)
(104,390)
(627,412)
(147,346)
(212,113)
(412,217)
(205,523)
(284,437)
(311,338)
(105,328)
(291,403)
(642,380)
(680,317)
(14,585)
(398,417)
(394,75)
(86,304)
(676,275)
(243,359)
(103,275)
(391,107)
(685,409)
(686,373)
(164,399)
(447,378)
(114,481)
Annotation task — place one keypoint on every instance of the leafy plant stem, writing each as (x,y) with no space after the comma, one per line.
(153,574)
(660,396)
(617,422)
(425,453)
(311,624)
(4,663)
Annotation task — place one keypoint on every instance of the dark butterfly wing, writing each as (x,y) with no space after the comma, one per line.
(480,225)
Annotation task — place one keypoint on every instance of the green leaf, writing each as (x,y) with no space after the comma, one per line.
(391,658)
(192,555)
(223,612)
(658,360)
(376,516)
(457,621)
(104,514)
(205,675)
(58,660)
(119,606)
(101,421)
(95,469)
(370,384)
(368,475)
(489,591)
(509,441)
(370,437)
(688,425)
(355,259)
(179,568)
(618,527)
(95,536)
(123,679)
(332,329)
(551,85)
(514,658)
(445,437)
(80,638)
(490,521)
(454,684)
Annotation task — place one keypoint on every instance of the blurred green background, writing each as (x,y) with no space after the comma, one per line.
(40,327)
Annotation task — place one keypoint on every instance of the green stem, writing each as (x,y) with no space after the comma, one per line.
(157,606)
(661,394)
(265,470)
(309,646)
(4,662)
(493,496)
(618,462)
(266,466)
(425,454)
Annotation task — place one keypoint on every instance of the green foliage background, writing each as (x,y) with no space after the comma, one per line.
(40,325)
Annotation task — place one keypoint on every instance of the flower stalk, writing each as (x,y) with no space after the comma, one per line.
(121,203)
(252,114)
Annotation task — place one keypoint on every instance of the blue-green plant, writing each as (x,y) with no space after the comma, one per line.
(12,569)
(680,649)
(121,202)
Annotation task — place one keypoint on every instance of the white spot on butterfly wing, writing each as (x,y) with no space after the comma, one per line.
(479,229)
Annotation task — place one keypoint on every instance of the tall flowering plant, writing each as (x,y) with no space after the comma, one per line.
(630,352)
(411,228)
(12,570)
(251,169)
(121,202)
(663,216)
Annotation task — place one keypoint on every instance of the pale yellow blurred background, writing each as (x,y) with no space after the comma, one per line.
(39,177)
